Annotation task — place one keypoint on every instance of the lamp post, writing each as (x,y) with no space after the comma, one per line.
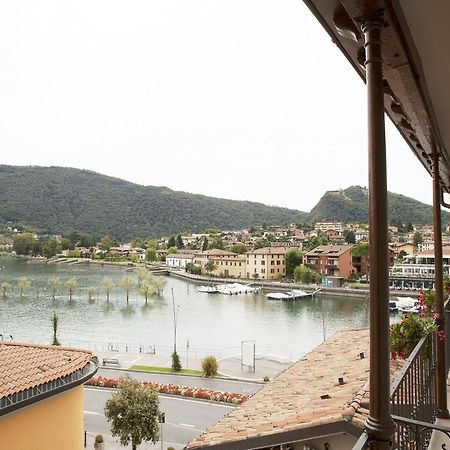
(175,320)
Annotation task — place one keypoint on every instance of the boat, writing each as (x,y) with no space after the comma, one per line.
(208,289)
(289,295)
(235,288)
(408,305)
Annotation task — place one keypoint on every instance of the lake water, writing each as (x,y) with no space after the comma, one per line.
(212,323)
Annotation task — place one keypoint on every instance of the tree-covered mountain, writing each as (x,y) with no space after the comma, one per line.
(352,205)
(61,200)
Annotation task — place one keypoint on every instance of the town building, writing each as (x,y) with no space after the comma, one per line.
(328,226)
(266,263)
(331,260)
(179,260)
(233,266)
(41,396)
(201,258)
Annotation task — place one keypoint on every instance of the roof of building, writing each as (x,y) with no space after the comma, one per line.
(181,256)
(215,252)
(269,251)
(330,250)
(25,366)
(305,396)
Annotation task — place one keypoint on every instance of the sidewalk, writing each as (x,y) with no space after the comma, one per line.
(265,366)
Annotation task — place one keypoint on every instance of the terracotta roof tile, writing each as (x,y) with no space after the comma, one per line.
(23,366)
(293,400)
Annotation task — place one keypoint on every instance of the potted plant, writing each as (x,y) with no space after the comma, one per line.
(99,444)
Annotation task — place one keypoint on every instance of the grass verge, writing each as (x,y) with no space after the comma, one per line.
(166,369)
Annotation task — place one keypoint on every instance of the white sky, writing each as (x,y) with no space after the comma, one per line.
(240,99)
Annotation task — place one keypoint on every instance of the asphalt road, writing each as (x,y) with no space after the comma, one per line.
(217,384)
(185,419)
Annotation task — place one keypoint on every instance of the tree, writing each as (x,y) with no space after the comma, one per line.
(71,285)
(417,238)
(217,242)
(209,267)
(55,284)
(179,242)
(172,250)
(24,285)
(205,244)
(146,288)
(5,287)
(171,242)
(106,243)
(127,284)
(91,292)
(133,411)
(238,248)
(150,254)
(293,258)
(350,237)
(51,248)
(176,363)
(66,244)
(305,275)
(159,283)
(55,320)
(23,243)
(108,286)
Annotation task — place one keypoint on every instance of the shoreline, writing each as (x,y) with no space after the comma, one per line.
(201,279)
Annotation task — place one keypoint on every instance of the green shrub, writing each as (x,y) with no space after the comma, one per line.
(99,439)
(266,379)
(210,366)
(176,364)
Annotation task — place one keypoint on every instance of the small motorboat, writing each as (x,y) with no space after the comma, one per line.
(289,295)
(208,289)
(235,288)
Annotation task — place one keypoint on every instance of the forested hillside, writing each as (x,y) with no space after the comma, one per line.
(352,205)
(56,200)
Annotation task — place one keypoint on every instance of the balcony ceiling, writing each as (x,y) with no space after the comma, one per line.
(416,55)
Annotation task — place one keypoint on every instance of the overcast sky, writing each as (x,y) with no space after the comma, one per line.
(240,99)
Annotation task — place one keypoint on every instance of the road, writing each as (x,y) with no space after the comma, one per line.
(185,419)
(216,384)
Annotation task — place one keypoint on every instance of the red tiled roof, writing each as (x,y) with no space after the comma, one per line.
(306,395)
(24,366)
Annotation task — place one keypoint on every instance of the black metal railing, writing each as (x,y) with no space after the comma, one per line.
(413,400)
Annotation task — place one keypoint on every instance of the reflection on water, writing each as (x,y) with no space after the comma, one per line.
(209,322)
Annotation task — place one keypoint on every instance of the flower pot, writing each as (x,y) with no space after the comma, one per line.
(99,446)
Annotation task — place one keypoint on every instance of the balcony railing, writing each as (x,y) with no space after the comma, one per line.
(413,400)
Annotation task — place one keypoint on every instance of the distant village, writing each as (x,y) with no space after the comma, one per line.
(329,253)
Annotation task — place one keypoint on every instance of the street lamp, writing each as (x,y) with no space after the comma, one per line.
(175,320)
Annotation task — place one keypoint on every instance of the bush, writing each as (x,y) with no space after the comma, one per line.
(210,366)
(266,379)
(176,364)
(99,439)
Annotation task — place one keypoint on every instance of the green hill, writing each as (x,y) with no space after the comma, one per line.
(56,199)
(352,205)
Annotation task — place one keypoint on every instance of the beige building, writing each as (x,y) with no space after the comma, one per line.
(202,258)
(234,267)
(266,263)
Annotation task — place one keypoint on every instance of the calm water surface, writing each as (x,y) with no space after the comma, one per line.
(211,323)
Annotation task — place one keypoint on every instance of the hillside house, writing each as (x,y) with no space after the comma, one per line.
(331,260)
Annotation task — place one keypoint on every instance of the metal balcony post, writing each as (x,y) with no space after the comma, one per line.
(379,425)
(441,378)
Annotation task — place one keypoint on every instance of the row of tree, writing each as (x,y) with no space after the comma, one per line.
(146,283)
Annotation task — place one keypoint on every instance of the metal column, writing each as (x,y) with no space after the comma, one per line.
(441,378)
(379,425)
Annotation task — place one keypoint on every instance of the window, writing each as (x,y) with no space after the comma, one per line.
(278,263)
(272,263)
(263,263)
(272,270)
(278,270)
(263,270)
